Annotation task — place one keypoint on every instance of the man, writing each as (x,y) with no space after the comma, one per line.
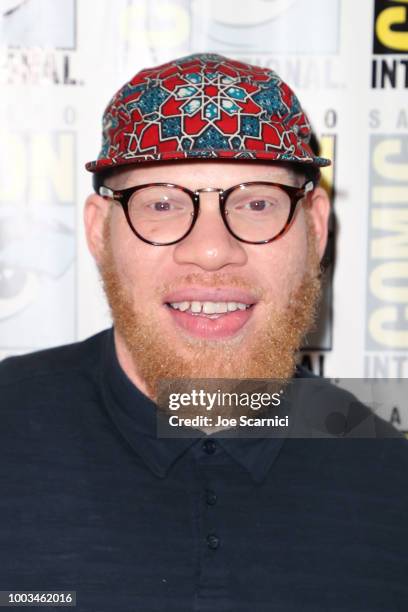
(207,225)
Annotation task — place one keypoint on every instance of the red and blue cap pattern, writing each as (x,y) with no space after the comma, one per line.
(205,106)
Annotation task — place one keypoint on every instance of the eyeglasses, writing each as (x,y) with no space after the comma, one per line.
(254,212)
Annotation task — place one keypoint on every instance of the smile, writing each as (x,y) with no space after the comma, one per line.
(209,319)
(209,308)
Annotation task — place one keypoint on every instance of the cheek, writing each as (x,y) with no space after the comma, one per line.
(283,263)
(134,261)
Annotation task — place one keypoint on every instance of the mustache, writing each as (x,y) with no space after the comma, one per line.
(214,280)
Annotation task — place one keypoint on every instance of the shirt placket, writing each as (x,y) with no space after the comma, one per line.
(212,589)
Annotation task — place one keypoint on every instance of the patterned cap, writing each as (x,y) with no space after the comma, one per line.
(205,106)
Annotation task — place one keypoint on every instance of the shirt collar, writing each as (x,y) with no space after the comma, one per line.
(134,415)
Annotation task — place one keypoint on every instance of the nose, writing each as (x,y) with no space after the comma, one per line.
(209,245)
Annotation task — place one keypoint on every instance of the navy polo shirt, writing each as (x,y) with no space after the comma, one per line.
(92,501)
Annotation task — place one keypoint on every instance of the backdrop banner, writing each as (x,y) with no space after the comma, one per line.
(60,63)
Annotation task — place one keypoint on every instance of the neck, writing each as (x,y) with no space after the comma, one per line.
(128,366)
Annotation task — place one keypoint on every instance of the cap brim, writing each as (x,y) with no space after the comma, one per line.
(212,154)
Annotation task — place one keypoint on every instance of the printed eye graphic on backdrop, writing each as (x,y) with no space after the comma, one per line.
(37,237)
(26,265)
(19,286)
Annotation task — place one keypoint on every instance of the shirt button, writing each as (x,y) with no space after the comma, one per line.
(210,497)
(213,541)
(209,447)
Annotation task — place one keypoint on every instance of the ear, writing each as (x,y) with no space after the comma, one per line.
(96,210)
(319,211)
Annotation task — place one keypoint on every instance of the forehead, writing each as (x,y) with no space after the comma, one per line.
(197,174)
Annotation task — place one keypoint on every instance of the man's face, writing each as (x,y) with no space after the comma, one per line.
(268,291)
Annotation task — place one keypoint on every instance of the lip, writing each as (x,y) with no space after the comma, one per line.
(215,294)
(211,327)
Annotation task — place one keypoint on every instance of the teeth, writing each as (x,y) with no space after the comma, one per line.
(209,307)
(220,307)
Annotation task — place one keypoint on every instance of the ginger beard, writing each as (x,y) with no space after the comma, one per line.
(270,352)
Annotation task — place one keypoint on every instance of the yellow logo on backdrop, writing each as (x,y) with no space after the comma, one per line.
(390,38)
(38,168)
(327,149)
(387,298)
(390,16)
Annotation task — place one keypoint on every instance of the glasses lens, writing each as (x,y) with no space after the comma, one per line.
(257,212)
(161,214)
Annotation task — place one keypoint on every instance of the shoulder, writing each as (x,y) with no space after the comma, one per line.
(335,411)
(348,449)
(347,436)
(44,368)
